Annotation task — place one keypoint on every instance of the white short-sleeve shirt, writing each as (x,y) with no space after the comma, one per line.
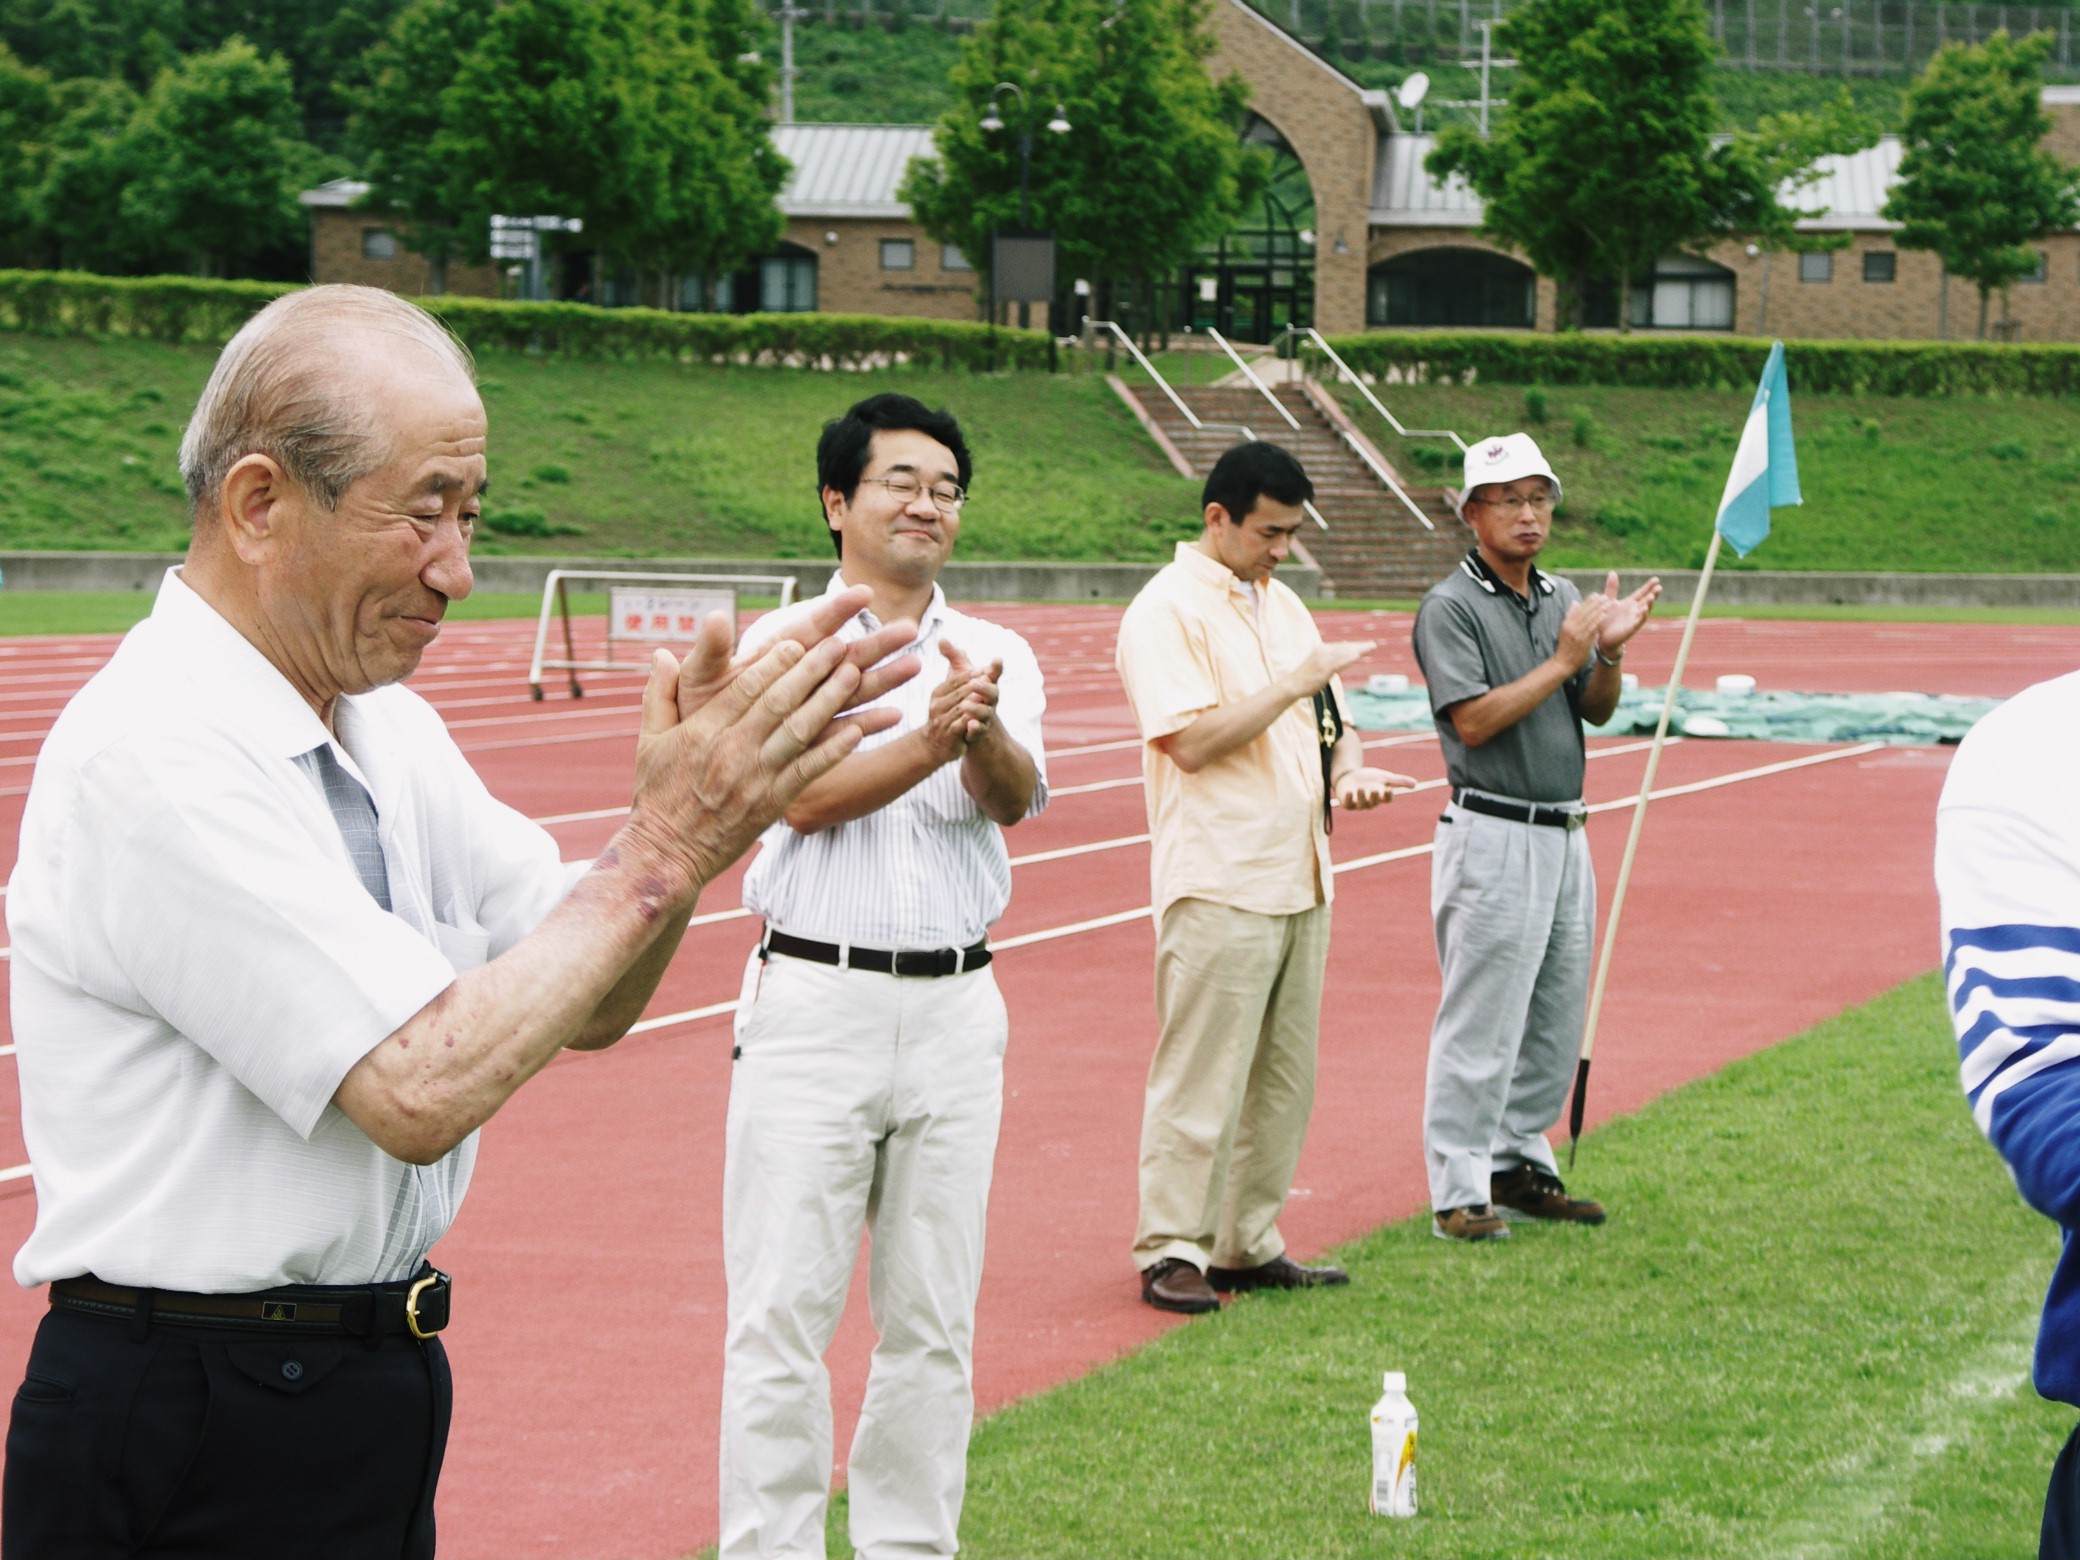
(196,966)
(930,869)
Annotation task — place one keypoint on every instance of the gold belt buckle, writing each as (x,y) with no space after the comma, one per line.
(411,1304)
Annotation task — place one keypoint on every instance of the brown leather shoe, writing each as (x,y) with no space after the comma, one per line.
(1280,1272)
(1475,1221)
(1173,1284)
(1538,1194)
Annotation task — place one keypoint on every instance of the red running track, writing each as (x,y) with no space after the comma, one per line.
(590,1311)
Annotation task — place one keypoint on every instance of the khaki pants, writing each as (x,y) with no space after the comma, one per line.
(1239,997)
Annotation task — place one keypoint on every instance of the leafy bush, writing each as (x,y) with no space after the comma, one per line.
(1885,368)
(2008,449)
(529,522)
(551,473)
(174,308)
(1535,408)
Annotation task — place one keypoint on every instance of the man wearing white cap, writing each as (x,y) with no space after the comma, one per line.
(1516,659)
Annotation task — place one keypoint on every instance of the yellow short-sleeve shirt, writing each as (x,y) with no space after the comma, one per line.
(1246,831)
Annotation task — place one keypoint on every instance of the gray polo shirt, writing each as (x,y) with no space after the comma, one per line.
(1474,633)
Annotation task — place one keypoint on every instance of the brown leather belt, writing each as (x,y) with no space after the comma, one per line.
(418,1306)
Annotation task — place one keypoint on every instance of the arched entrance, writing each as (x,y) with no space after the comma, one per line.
(1260,278)
(1451,287)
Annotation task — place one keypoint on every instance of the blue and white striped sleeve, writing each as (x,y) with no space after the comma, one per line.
(2008,873)
(2015,1000)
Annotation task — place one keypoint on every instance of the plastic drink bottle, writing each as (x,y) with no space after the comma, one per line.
(1394,1450)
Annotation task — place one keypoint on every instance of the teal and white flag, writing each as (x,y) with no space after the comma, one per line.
(1765,467)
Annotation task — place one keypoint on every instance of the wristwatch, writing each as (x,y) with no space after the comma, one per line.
(1607,660)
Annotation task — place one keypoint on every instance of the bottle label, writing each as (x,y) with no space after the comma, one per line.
(1394,1475)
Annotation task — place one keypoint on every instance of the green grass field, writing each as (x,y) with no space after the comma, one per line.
(1805,1331)
(111,612)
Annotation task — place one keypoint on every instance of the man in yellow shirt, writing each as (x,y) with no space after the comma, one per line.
(1236,698)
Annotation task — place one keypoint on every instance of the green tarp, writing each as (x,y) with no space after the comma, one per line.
(1914,718)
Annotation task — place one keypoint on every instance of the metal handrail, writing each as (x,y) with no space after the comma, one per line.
(1147,367)
(1250,374)
(1386,476)
(1366,391)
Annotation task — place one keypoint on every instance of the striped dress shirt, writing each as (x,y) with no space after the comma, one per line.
(2008,872)
(929,870)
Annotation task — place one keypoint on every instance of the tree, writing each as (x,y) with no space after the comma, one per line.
(626,114)
(1605,159)
(1131,78)
(1975,186)
(87,167)
(26,114)
(218,159)
(717,174)
(396,117)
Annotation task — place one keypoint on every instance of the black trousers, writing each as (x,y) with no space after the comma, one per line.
(186,1443)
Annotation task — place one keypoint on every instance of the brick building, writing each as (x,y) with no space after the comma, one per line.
(1352,235)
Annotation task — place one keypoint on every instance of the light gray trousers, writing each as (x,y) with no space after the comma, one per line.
(1514,906)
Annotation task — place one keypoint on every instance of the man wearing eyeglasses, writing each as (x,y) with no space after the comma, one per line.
(868,1078)
(1516,660)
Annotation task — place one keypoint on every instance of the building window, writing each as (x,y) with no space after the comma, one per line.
(951,259)
(1450,287)
(2043,269)
(1816,268)
(787,282)
(898,254)
(378,244)
(1879,265)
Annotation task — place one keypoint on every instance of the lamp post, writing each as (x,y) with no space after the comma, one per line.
(990,124)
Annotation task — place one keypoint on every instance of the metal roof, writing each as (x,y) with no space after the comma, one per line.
(848,170)
(335,192)
(1851,190)
(1403,195)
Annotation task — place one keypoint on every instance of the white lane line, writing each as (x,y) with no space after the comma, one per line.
(597,813)
(1123,917)
(15,1173)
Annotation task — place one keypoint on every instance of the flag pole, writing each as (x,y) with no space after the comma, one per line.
(1639,818)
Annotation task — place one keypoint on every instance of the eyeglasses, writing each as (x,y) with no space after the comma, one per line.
(1519,501)
(947,498)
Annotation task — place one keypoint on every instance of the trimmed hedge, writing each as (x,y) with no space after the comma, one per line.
(165,308)
(1902,368)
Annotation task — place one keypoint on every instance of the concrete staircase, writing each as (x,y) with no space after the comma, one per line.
(1373,547)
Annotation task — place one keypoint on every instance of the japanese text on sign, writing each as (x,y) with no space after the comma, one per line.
(665,615)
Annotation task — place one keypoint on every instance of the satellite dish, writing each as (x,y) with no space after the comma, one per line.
(1411,91)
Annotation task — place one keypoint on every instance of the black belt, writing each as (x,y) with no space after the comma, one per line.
(418,1306)
(927,962)
(1569,818)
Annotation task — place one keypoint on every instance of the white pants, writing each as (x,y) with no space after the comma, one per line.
(858,1100)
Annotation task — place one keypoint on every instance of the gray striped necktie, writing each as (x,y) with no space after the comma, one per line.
(356,816)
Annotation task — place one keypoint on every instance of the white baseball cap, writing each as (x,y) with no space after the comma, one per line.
(1505,458)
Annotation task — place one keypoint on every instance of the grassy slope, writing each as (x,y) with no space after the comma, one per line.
(616,459)
(634,459)
(1969,484)
(1804,1331)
